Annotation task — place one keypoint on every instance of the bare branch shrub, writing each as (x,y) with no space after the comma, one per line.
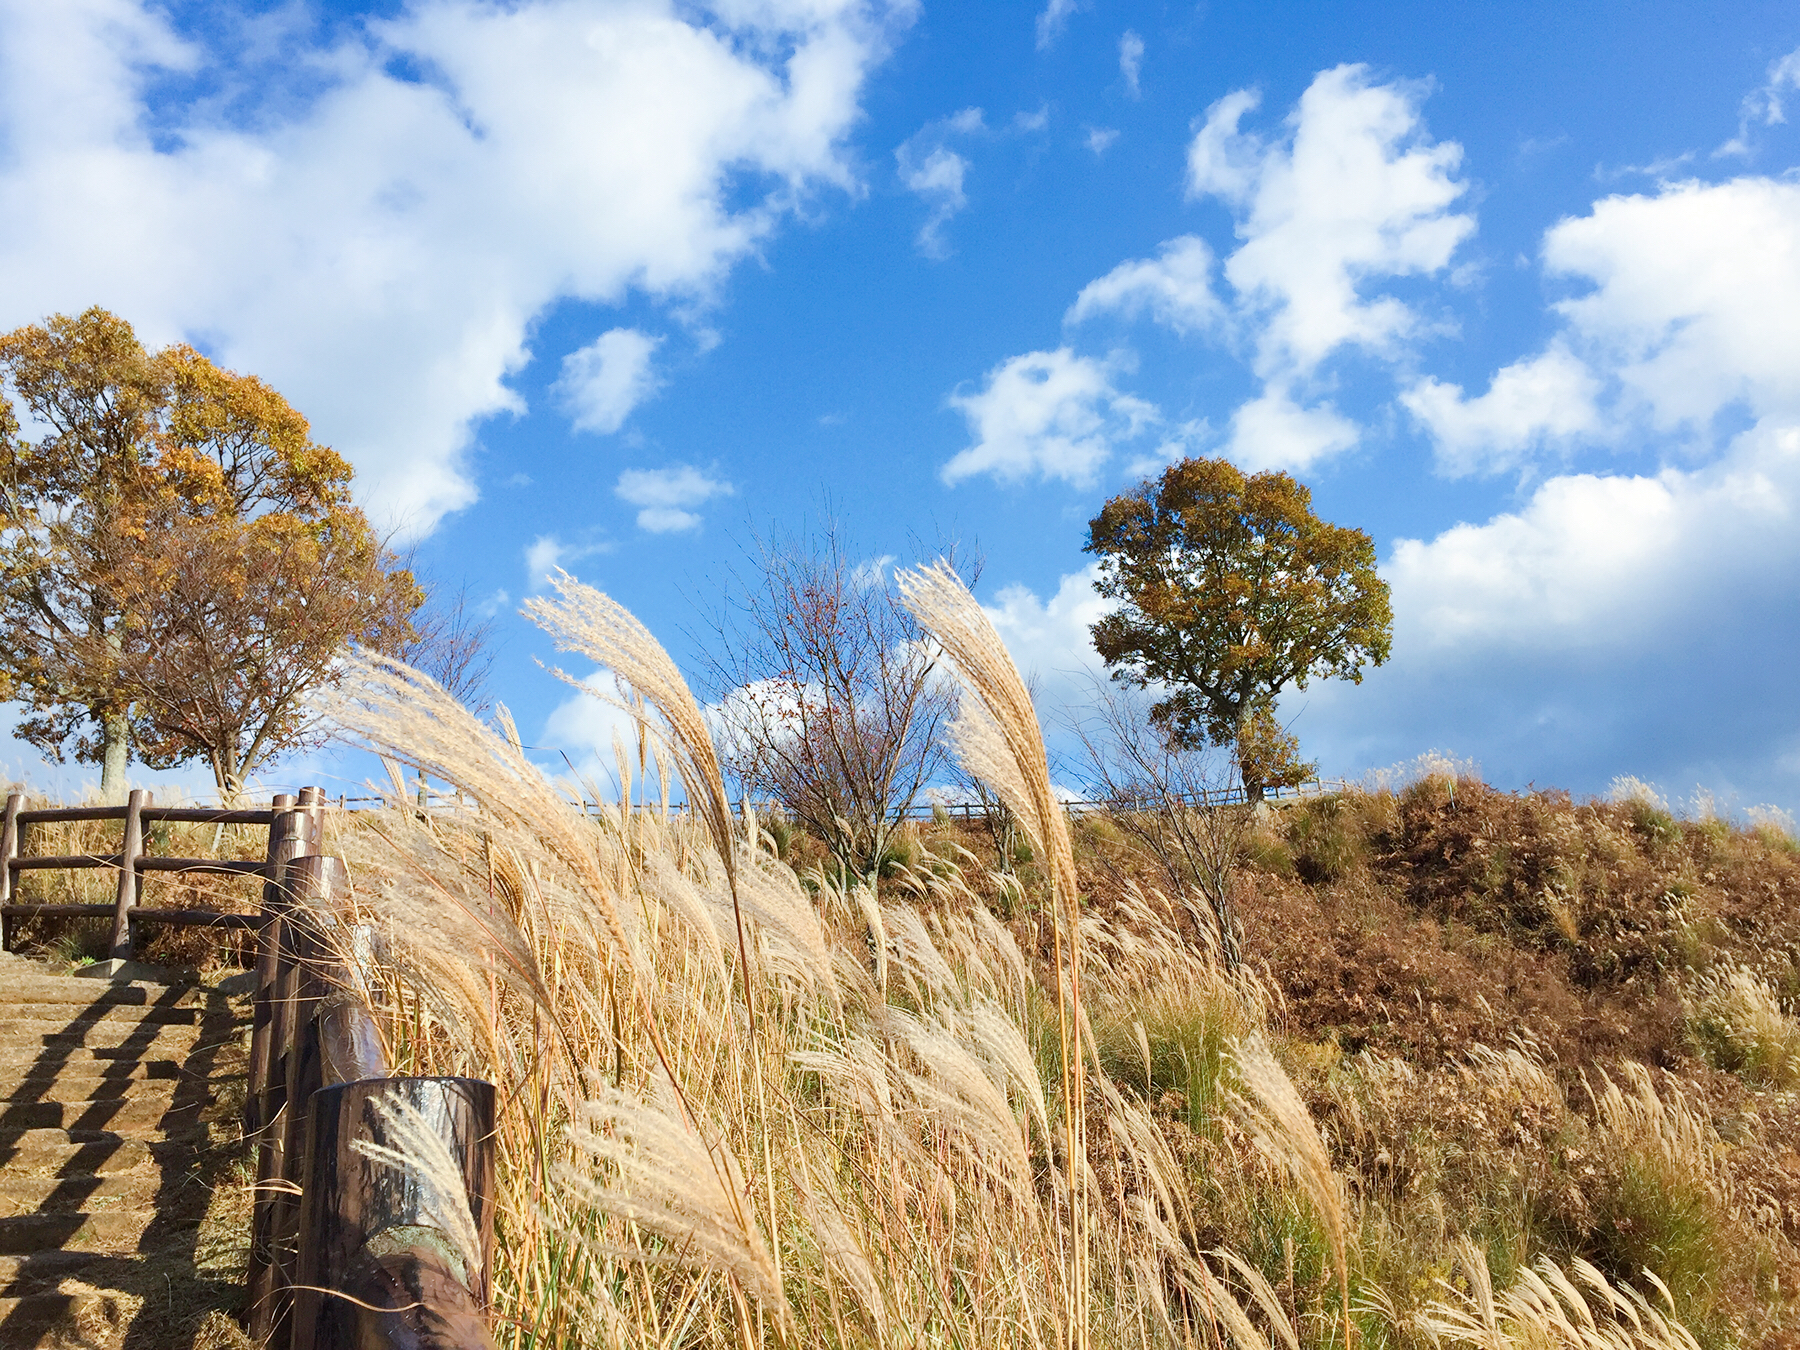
(453,643)
(1173,800)
(830,695)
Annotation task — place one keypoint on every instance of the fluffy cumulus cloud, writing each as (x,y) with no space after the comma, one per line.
(548,552)
(1352,194)
(1651,607)
(1614,623)
(1047,415)
(1273,432)
(602,382)
(666,497)
(371,222)
(1547,399)
(591,728)
(1175,288)
(1051,640)
(1686,308)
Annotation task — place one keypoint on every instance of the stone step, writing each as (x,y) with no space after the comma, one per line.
(182,1127)
(122,1115)
(39,1061)
(70,1014)
(40,1270)
(50,1319)
(64,990)
(103,1035)
(93,1153)
(25,1234)
(53,1194)
(98,1080)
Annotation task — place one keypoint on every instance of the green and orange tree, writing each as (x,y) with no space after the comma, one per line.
(1230,589)
(181,563)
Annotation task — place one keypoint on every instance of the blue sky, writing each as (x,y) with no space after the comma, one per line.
(1516,288)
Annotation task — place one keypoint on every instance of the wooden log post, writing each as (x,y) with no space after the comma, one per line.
(380,1264)
(9,849)
(275,858)
(293,833)
(131,877)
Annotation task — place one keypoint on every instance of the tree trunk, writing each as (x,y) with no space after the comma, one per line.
(115,730)
(229,777)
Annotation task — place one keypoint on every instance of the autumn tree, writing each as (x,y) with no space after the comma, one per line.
(1230,589)
(830,696)
(180,561)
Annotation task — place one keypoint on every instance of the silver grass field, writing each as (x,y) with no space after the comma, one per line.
(742,1110)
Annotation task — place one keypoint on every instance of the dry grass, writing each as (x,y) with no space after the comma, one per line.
(744,1107)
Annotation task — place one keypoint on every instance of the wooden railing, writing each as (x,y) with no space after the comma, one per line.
(349,1250)
(130,862)
(451,802)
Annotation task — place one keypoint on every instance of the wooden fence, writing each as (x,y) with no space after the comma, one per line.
(1232,796)
(347,1250)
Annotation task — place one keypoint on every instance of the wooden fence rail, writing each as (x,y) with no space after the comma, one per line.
(1232,796)
(348,1252)
(130,862)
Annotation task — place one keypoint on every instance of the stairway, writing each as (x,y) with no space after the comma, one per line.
(118,1144)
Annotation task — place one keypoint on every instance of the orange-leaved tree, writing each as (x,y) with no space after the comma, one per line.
(1230,589)
(182,563)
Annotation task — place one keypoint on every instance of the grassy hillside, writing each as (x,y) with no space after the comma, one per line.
(1498,1070)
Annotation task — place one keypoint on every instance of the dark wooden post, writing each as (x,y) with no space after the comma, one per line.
(292,833)
(130,877)
(315,888)
(376,1235)
(9,849)
(274,859)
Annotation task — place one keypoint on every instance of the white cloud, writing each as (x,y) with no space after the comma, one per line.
(1271,431)
(1691,307)
(933,171)
(1178,442)
(586,727)
(603,381)
(1551,397)
(376,245)
(1765,106)
(1050,640)
(546,553)
(1175,288)
(1352,194)
(1696,296)
(1356,193)
(1613,624)
(1046,414)
(666,494)
(1052,20)
(1131,61)
(1100,139)
(1597,560)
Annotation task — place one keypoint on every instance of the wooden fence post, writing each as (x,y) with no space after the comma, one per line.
(291,834)
(9,849)
(379,1236)
(130,878)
